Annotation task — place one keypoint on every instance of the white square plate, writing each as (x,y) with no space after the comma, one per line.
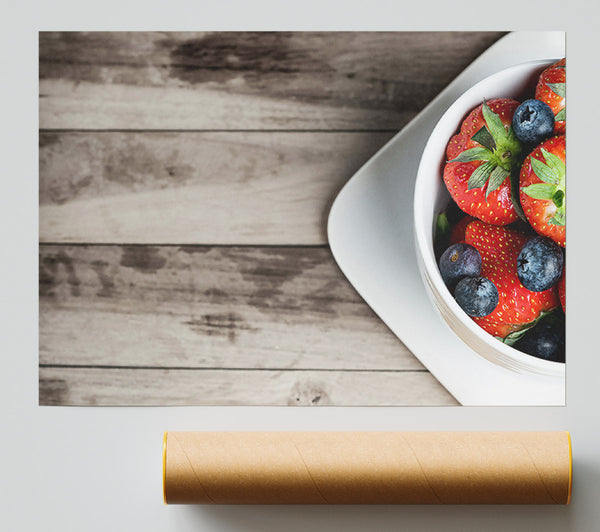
(370,231)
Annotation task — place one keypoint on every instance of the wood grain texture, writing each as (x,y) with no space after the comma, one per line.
(238,142)
(208,188)
(101,387)
(282,80)
(207,307)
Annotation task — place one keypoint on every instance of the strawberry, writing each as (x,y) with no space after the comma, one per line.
(551,90)
(457,235)
(517,307)
(542,188)
(481,158)
(561,290)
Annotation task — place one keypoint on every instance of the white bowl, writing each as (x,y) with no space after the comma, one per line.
(431,198)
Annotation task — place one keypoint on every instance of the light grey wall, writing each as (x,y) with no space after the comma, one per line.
(98,469)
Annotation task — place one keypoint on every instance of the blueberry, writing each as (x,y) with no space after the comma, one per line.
(533,121)
(458,261)
(477,296)
(540,264)
(545,340)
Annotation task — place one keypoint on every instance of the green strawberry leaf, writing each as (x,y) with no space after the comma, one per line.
(557,88)
(561,115)
(545,172)
(513,337)
(484,137)
(559,198)
(474,154)
(441,238)
(514,195)
(540,191)
(554,162)
(494,123)
(512,139)
(480,175)
(559,217)
(442,225)
(497,177)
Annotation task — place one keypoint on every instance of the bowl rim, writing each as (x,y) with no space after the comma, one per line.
(504,354)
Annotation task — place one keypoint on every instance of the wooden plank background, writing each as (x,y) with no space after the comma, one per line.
(251,187)
(185,181)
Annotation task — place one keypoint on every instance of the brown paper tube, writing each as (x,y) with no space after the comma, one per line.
(367,467)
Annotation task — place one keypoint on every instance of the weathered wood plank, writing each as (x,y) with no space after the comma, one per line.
(207,307)
(281,80)
(208,188)
(96,387)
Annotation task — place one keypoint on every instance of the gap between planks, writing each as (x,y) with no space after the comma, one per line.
(183,244)
(184,131)
(188,368)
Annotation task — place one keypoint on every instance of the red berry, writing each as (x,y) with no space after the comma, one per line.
(457,235)
(499,248)
(542,188)
(551,90)
(481,157)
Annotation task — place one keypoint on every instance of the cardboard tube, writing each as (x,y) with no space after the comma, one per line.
(367,467)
